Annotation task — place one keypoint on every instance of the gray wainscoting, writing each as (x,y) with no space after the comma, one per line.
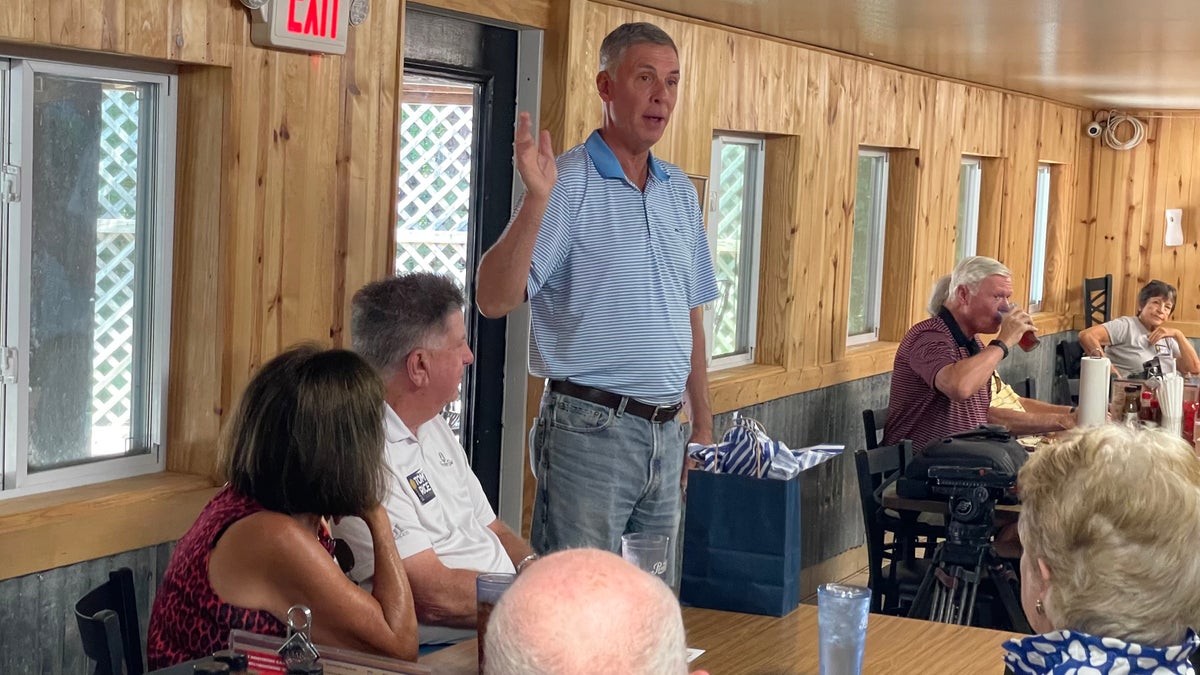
(38,633)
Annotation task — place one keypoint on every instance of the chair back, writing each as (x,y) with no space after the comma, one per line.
(873,423)
(874,466)
(1027,388)
(1097,293)
(108,625)
(1067,356)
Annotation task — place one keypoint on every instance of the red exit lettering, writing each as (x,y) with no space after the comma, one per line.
(320,18)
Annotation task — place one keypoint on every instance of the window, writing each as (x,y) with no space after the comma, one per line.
(734,231)
(87,211)
(1041,219)
(866,264)
(968,208)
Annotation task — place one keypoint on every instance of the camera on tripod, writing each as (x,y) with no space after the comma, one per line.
(973,491)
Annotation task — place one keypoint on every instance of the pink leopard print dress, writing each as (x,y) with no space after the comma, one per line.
(188,620)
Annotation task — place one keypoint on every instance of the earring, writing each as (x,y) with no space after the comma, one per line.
(1041,609)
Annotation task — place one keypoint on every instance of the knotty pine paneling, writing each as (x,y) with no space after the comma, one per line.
(785,252)
(810,258)
(983,128)
(1020,189)
(746,65)
(284,183)
(1061,126)
(894,114)
(839,119)
(531,13)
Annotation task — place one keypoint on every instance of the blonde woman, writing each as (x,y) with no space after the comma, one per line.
(1110,577)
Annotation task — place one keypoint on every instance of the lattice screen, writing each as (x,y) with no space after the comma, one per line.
(434,192)
(112,358)
(730,198)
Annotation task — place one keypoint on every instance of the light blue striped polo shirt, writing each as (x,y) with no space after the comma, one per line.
(615,274)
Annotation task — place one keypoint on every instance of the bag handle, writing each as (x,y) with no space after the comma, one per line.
(758,433)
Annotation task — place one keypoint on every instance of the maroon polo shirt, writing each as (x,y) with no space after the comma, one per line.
(917,410)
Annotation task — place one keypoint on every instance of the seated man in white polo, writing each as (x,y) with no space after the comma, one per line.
(411,329)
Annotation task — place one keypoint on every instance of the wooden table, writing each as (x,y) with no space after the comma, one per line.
(737,644)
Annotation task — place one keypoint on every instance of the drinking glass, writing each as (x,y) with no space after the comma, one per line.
(1029,341)
(842,616)
(488,589)
(647,552)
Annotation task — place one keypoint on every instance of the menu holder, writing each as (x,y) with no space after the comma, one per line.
(261,652)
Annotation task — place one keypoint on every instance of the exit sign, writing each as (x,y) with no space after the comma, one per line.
(305,25)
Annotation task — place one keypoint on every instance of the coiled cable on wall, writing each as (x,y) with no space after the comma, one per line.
(1116,119)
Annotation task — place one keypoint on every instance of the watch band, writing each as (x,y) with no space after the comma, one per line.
(1003,347)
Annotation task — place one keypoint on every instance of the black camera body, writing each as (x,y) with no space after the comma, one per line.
(972,493)
(970,489)
(986,457)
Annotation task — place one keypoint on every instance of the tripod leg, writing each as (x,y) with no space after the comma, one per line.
(969,603)
(922,603)
(1000,574)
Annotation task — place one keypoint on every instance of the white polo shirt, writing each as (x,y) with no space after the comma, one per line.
(434,501)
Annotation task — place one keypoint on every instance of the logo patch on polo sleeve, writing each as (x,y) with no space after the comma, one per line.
(420,486)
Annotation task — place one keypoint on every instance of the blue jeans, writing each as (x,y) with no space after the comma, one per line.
(602,473)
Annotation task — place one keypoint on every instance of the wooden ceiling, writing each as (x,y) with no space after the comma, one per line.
(1095,53)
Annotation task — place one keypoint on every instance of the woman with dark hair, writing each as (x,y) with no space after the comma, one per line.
(1130,341)
(305,445)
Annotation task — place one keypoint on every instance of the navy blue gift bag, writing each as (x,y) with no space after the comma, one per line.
(741,544)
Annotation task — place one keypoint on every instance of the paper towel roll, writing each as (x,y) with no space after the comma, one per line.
(1093,391)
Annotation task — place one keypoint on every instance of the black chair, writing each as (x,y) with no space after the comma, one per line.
(893,586)
(1067,356)
(1026,388)
(108,626)
(1097,293)
(873,423)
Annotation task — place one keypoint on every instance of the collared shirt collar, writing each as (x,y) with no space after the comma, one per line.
(394,427)
(608,165)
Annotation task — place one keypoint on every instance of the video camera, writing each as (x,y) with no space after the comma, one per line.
(986,457)
(972,491)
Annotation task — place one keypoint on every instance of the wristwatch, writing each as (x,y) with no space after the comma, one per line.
(1003,347)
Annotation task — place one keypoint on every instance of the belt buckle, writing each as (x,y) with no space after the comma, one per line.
(672,409)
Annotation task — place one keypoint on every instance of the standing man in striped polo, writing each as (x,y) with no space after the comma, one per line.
(609,248)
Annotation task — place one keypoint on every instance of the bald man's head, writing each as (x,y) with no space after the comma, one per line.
(580,610)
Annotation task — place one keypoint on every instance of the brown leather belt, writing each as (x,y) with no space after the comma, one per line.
(655,413)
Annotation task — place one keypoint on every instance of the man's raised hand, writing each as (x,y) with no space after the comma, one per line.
(535,159)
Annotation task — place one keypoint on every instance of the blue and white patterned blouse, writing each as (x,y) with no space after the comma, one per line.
(1068,653)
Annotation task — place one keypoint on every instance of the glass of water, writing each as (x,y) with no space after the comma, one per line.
(842,616)
(648,552)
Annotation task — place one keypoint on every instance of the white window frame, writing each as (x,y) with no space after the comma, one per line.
(16,480)
(751,247)
(878,228)
(967,239)
(1041,228)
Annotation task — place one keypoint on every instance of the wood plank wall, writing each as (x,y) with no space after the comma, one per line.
(1121,230)
(816,109)
(284,175)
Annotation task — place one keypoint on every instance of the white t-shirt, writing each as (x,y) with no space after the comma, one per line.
(1131,347)
(434,501)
